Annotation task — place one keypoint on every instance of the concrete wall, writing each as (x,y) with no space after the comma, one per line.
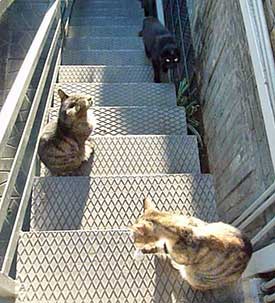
(238,152)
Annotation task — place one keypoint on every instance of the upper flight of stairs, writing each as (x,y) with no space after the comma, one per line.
(78,248)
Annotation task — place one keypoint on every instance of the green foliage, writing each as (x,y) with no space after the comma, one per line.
(191,107)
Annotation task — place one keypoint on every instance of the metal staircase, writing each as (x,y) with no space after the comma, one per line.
(79,249)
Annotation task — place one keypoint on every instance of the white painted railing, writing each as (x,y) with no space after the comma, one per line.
(264,69)
(8,115)
(262,261)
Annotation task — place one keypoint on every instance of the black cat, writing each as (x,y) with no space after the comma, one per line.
(160,46)
(149,7)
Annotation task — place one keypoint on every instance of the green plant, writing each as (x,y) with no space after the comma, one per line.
(191,107)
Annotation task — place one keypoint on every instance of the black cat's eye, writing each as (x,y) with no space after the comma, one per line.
(71,105)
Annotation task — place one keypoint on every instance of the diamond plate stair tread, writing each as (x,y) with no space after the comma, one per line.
(136,120)
(103,21)
(106,12)
(105,57)
(123,5)
(104,31)
(72,203)
(122,94)
(107,74)
(137,155)
(107,43)
(98,267)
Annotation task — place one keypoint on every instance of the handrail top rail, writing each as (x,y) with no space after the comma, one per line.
(14,100)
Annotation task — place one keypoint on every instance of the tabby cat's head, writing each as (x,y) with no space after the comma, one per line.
(73,107)
(143,231)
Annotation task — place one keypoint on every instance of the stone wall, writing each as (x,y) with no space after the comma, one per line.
(235,136)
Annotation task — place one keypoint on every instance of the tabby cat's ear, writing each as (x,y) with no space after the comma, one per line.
(148,204)
(63,96)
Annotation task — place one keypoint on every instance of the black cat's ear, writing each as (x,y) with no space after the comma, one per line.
(148,204)
(63,96)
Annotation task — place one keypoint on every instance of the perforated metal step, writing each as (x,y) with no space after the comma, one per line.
(105,57)
(122,94)
(98,267)
(107,43)
(62,203)
(104,31)
(136,120)
(137,155)
(103,21)
(106,74)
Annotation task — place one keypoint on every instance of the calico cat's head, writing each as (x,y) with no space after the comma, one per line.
(170,56)
(143,231)
(73,107)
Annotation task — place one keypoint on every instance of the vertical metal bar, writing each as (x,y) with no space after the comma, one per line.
(28,185)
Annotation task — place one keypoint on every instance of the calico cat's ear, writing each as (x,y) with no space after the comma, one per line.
(63,96)
(90,100)
(148,204)
(139,228)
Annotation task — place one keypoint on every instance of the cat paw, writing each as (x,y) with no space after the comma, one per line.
(89,150)
(157,80)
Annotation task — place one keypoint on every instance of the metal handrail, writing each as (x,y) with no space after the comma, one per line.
(8,117)
(4,5)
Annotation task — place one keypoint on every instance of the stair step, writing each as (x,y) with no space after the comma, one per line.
(122,94)
(111,74)
(107,12)
(104,31)
(67,203)
(107,43)
(136,120)
(104,21)
(94,5)
(98,267)
(105,57)
(137,155)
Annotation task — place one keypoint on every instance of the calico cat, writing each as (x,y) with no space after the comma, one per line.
(64,144)
(160,46)
(149,7)
(208,255)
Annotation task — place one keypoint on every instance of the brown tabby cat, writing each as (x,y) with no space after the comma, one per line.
(208,255)
(64,143)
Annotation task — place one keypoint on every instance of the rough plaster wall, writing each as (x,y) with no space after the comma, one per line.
(238,152)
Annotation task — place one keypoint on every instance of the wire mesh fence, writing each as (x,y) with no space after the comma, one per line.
(177,20)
